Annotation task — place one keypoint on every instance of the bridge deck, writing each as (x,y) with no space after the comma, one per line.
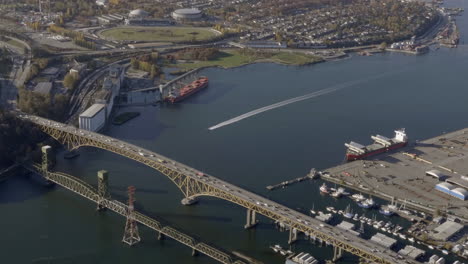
(193,183)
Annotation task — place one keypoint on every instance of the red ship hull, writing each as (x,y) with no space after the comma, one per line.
(351,157)
(197,86)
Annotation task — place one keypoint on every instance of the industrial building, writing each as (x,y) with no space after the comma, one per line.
(446,230)
(436,174)
(412,252)
(138,14)
(109,19)
(383,240)
(43,88)
(451,190)
(94,118)
(187,14)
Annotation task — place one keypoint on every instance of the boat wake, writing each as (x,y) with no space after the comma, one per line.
(328,90)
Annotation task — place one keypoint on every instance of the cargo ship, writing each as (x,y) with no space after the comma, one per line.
(381,144)
(187,90)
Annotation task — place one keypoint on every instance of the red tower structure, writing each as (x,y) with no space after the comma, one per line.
(131,235)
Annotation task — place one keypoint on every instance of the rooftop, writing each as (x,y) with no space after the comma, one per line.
(43,87)
(446,230)
(92,110)
(187,11)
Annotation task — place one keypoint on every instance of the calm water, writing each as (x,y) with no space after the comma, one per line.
(426,94)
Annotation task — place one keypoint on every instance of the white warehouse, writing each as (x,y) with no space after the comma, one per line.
(94,118)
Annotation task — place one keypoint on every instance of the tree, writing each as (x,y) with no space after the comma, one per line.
(70,80)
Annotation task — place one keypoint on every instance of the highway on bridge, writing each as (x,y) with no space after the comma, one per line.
(194,183)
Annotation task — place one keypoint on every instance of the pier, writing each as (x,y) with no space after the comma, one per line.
(312,175)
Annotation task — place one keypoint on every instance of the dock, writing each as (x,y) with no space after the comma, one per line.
(311,175)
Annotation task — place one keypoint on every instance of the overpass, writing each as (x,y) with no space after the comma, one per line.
(193,183)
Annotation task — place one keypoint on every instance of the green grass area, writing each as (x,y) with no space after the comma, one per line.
(235,58)
(171,34)
(124,117)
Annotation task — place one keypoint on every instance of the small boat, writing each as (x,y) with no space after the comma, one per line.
(277,248)
(356,217)
(330,208)
(347,213)
(411,239)
(358,197)
(402,236)
(324,189)
(445,252)
(364,205)
(430,247)
(312,211)
(386,212)
(336,194)
(343,191)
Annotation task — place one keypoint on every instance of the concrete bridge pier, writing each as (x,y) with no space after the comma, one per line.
(292,235)
(189,201)
(337,253)
(251,221)
(194,252)
(48,161)
(161,236)
(48,158)
(103,189)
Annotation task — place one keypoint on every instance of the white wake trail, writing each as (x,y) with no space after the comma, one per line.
(296,99)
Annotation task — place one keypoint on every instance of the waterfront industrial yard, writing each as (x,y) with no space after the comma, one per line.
(401,176)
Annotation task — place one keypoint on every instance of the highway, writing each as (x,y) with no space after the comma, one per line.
(224,190)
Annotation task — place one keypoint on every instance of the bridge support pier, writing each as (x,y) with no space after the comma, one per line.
(161,236)
(103,189)
(337,253)
(48,159)
(189,201)
(292,235)
(194,252)
(251,221)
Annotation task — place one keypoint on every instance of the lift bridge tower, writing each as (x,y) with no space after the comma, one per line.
(131,235)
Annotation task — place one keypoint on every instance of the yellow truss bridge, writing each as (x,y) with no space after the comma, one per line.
(193,183)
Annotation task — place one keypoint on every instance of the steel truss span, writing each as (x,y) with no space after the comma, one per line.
(84,189)
(193,183)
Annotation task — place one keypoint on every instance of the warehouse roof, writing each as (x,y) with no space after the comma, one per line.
(446,230)
(445,185)
(93,110)
(43,87)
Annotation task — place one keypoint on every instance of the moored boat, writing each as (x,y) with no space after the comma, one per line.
(381,144)
(189,89)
